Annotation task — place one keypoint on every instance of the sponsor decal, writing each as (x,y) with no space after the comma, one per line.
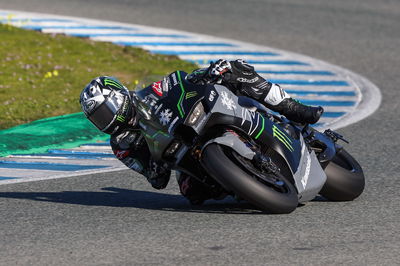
(227,101)
(306,175)
(89,105)
(120,118)
(166,84)
(212,95)
(247,73)
(165,116)
(157,88)
(121,154)
(113,82)
(244,80)
(190,94)
(174,79)
(282,137)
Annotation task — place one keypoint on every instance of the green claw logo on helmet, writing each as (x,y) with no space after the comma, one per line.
(113,82)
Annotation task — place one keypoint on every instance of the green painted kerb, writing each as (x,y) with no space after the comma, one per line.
(67,131)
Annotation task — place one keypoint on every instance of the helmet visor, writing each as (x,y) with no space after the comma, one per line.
(105,114)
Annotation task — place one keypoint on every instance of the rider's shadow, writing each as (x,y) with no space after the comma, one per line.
(118,197)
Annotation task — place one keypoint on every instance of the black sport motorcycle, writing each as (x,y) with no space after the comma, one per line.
(233,144)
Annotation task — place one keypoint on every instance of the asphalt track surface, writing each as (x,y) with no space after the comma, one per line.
(115,218)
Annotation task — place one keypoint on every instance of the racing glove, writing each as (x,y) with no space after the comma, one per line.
(213,74)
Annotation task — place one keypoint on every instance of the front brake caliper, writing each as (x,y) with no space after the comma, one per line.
(265,163)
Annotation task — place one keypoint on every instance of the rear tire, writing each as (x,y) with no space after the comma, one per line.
(218,162)
(345,178)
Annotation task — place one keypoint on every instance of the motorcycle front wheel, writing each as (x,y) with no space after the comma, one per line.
(270,192)
(345,178)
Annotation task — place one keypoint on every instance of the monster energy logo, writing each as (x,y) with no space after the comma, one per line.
(112,83)
(282,137)
(190,94)
(120,118)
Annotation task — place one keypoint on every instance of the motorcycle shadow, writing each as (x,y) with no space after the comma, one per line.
(119,197)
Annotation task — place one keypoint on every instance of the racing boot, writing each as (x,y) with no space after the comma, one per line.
(276,99)
(298,112)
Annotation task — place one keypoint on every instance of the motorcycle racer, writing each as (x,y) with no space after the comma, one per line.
(109,106)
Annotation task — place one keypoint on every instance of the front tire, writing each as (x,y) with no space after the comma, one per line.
(345,178)
(218,162)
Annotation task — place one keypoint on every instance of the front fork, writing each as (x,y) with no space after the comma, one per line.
(324,144)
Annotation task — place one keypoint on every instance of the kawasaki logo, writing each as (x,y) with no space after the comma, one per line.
(282,137)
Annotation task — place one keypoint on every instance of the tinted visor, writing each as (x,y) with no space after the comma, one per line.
(105,114)
(102,116)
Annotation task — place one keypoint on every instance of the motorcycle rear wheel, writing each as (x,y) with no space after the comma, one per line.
(345,178)
(220,163)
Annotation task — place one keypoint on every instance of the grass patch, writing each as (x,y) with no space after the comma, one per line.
(42,75)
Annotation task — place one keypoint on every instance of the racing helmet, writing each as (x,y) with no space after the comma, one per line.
(107,104)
